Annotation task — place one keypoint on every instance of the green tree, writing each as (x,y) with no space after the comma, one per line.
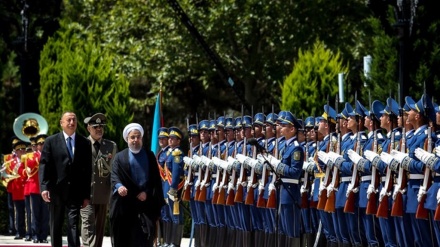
(314,76)
(78,75)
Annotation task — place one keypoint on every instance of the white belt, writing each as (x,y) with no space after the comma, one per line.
(366,178)
(196,174)
(383,179)
(290,180)
(346,179)
(302,180)
(416,176)
(214,175)
(437,174)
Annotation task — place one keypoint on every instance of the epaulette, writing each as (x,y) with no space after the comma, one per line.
(177,152)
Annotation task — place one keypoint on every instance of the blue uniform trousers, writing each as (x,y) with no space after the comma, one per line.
(404,232)
(327,226)
(372,229)
(290,218)
(176,219)
(341,226)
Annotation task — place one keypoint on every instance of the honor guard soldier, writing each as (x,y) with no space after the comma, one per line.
(420,115)
(322,173)
(204,150)
(269,213)
(103,151)
(194,139)
(432,161)
(388,121)
(162,155)
(40,211)
(369,177)
(174,165)
(289,169)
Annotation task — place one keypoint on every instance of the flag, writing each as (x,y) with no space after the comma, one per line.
(157,123)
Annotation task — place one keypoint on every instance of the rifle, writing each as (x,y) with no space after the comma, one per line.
(242,178)
(261,202)
(253,181)
(231,193)
(217,178)
(222,188)
(397,209)
(422,212)
(186,194)
(354,183)
(306,185)
(375,178)
(206,178)
(272,197)
(382,209)
(322,200)
(197,187)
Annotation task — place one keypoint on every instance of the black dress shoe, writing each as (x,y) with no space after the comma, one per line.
(35,241)
(44,241)
(18,237)
(28,239)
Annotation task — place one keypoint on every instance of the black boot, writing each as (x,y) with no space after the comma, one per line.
(282,240)
(177,235)
(269,240)
(221,239)
(247,239)
(293,242)
(212,237)
(197,238)
(231,235)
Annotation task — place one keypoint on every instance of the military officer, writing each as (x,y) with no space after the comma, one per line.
(162,156)
(289,169)
(175,164)
(103,150)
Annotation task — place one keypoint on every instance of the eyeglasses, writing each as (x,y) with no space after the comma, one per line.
(98,126)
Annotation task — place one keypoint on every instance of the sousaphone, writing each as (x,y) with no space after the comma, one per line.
(29,125)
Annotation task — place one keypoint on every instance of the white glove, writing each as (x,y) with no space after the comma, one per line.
(273,161)
(398,156)
(241,158)
(197,183)
(220,163)
(324,157)
(230,186)
(271,187)
(382,193)
(214,187)
(205,160)
(354,157)
(438,196)
(370,155)
(305,165)
(303,189)
(251,162)
(386,157)
(197,161)
(370,190)
(232,162)
(422,191)
(188,160)
(437,151)
(423,156)
(330,188)
(261,158)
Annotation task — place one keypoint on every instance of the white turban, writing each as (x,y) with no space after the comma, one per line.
(130,127)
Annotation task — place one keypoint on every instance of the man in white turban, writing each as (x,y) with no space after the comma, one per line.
(135,177)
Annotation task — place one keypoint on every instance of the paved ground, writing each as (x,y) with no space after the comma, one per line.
(10,241)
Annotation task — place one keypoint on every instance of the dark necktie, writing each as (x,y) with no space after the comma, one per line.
(96,145)
(69,146)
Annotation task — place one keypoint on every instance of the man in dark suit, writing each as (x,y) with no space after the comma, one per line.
(65,177)
(137,196)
